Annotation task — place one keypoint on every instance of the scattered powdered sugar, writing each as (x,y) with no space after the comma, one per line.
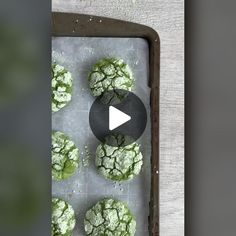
(86,157)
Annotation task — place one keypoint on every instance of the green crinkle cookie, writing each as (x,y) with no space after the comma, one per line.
(109,74)
(63,218)
(119,163)
(65,156)
(61,87)
(109,217)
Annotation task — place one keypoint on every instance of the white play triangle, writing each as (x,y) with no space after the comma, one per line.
(117,118)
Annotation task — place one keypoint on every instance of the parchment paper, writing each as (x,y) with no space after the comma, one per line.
(87,187)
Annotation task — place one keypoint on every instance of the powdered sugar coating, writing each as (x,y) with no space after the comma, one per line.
(119,163)
(63,218)
(109,74)
(61,87)
(65,156)
(111,218)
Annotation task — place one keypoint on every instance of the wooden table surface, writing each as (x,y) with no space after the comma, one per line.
(167,18)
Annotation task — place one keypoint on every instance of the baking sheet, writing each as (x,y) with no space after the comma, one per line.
(86,187)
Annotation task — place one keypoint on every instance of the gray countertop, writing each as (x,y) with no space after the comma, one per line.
(167,18)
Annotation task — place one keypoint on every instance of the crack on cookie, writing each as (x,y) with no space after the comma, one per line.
(118,157)
(112,223)
(65,156)
(118,70)
(59,74)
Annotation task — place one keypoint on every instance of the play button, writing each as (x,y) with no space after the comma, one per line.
(117,118)
(118,112)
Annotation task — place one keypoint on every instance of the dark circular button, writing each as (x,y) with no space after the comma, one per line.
(120,114)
